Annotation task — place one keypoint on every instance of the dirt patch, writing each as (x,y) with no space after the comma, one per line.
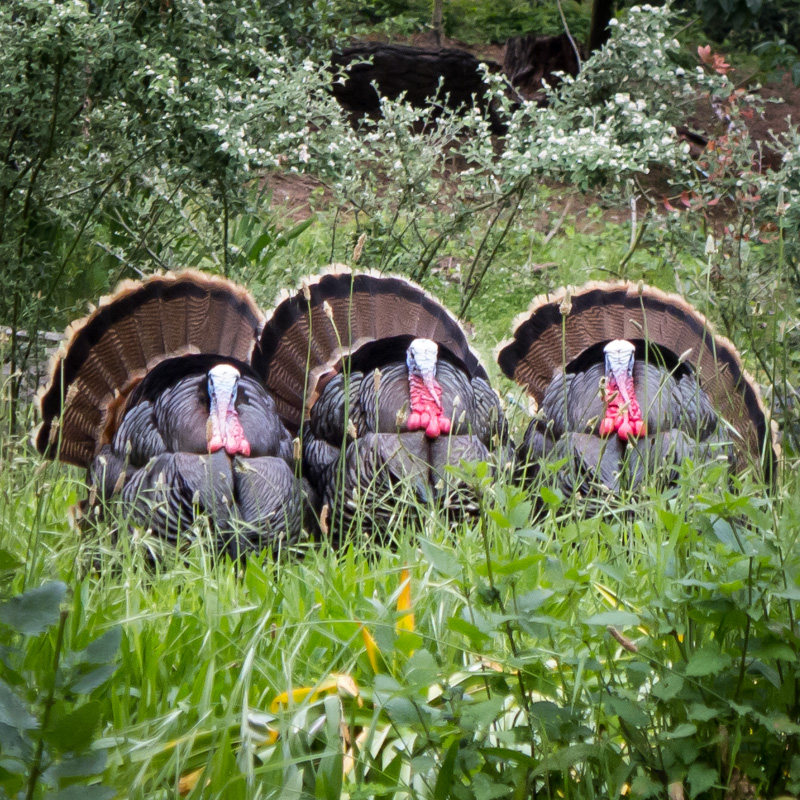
(297,196)
(781,104)
(783,101)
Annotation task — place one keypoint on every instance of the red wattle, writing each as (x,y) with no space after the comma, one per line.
(623,417)
(215,443)
(235,440)
(426,408)
(607,426)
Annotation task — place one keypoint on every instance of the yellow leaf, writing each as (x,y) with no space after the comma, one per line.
(188,781)
(334,682)
(372,649)
(607,594)
(406,622)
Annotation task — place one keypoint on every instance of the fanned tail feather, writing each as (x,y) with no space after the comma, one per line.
(332,316)
(132,330)
(560,327)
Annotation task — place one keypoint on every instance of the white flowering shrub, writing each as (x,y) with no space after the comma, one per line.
(126,138)
(137,139)
(618,116)
(418,179)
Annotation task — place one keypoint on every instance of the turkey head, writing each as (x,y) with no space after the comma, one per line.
(380,379)
(631,381)
(153,394)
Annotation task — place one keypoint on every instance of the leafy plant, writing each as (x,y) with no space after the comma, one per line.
(48,721)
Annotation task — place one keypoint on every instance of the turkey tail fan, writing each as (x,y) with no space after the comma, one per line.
(335,314)
(559,328)
(108,352)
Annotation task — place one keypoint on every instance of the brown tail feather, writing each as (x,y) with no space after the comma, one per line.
(333,315)
(558,328)
(132,330)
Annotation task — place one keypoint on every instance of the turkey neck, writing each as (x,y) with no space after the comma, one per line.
(425,392)
(224,428)
(623,413)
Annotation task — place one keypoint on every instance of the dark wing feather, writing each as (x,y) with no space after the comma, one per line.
(165,494)
(268,500)
(138,438)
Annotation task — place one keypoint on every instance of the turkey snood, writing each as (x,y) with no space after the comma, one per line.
(424,390)
(224,428)
(623,413)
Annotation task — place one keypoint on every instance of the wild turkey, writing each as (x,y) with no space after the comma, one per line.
(386,389)
(413,72)
(627,374)
(154,395)
(531,60)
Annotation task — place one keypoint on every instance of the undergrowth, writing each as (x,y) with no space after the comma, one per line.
(530,651)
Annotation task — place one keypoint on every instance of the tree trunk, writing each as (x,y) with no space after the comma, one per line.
(437,22)
(602,12)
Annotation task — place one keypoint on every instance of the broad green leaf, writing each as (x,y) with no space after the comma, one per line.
(485,788)
(679,732)
(627,711)
(702,713)
(402,711)
(668,687)
(442,559)
(36,610)
(517,565)
(482,714)
(519,516)
(81,767)
(12,743)
(91,680)
(104,648)
(475,636)
(74,731)
(78,792)
(550,497)
(775,650)
(500,518)
(8,561)
(706,661)
(567,757)
(643,787)
(534,599)
(791,592)
(618,618)
(421,670)
(13,711)
(701,778)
